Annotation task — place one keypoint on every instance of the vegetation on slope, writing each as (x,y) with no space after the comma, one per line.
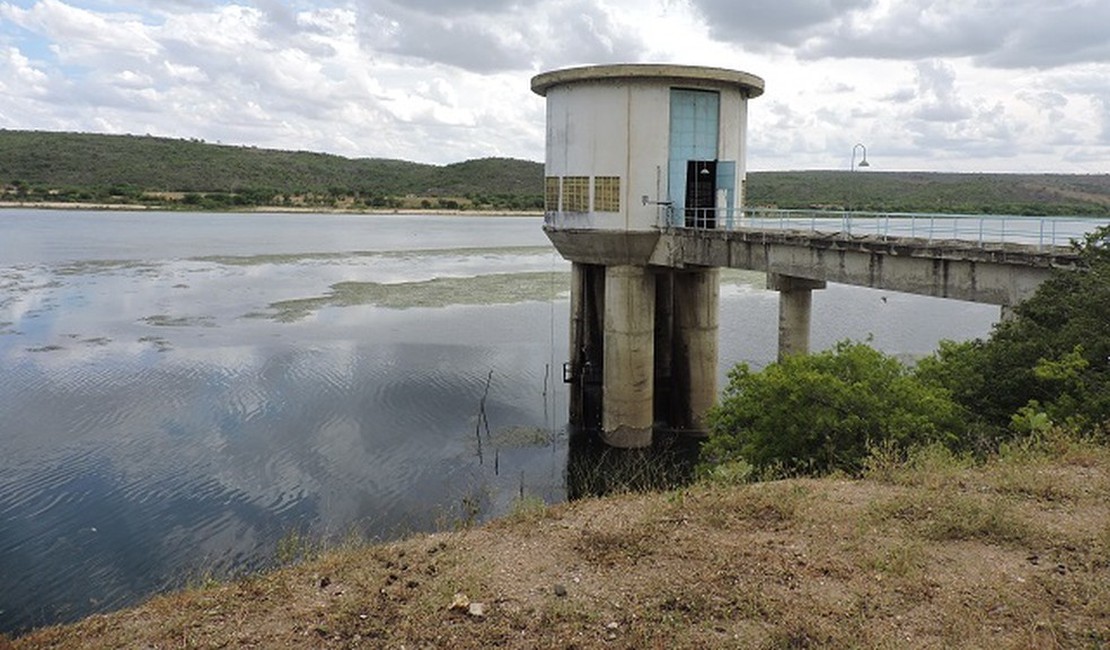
(71,167)
(1018,194)
(191,174)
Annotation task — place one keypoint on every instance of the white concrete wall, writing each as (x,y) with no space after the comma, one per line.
(647,154)
(733,137)
(622,128)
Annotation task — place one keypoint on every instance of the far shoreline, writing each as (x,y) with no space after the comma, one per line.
(276,209)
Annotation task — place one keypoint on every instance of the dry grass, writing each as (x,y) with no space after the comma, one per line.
(933,553)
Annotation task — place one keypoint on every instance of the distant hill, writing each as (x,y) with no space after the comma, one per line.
(72,160)
(1075,194)
(44,166)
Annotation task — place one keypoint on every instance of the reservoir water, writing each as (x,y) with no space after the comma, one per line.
(179,393)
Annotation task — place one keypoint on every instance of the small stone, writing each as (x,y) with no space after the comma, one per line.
(613,625)
(477,610)
(560,590)
(459,603)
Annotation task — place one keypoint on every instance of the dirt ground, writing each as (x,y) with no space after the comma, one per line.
(934,554)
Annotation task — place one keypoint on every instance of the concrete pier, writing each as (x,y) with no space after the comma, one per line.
(795,306)
(629,366)
(643,344)
(696,298)
(576,326)
(665,376)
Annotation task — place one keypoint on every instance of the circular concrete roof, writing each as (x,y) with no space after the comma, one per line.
(664,73)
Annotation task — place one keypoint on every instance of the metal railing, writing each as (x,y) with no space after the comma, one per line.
(983,230)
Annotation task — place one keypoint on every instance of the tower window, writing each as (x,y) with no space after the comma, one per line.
(607,194)
(576,194)
(551,194)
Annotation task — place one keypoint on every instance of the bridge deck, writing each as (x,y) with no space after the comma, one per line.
(998,273)
(993,273)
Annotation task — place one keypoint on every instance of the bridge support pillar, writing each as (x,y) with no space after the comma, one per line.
(577,342)
(584,368)
(643,350)
(696,298)
(795,305)
(629,359)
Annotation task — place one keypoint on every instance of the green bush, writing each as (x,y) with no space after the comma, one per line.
(1051,358)
(823,412)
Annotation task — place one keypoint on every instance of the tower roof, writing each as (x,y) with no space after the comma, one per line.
(691,75)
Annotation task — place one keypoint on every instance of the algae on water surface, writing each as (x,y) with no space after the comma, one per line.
(438,292)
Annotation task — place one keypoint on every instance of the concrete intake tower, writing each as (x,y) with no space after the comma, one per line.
(632,151)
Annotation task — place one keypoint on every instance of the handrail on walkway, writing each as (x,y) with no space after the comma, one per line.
(984,230)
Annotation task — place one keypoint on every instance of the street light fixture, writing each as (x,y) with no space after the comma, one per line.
(863,162)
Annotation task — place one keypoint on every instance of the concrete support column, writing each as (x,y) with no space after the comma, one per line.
(696,298)
(795,305)
(577,342)
(629,367)
(664,347)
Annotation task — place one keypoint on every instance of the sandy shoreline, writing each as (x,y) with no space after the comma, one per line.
(57,205)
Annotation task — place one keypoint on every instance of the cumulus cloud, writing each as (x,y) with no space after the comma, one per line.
(995,33)
(457,7)
(19,75)
(936,94)
(488,36)
(778,22)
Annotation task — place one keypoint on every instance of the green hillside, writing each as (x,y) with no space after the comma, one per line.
(163,172)
(933,192)
(38,165)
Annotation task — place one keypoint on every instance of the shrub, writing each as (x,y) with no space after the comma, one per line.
(823,412)
(1053,357)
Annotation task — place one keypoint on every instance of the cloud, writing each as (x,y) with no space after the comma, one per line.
(83,37)
(778,22)
(19,73)
(490,37)
(995,33)
(470,44)
(936,94)
(458,7)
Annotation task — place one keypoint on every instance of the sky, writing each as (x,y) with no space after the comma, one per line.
(929,85)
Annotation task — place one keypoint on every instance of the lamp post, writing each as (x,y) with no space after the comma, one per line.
(863,161)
